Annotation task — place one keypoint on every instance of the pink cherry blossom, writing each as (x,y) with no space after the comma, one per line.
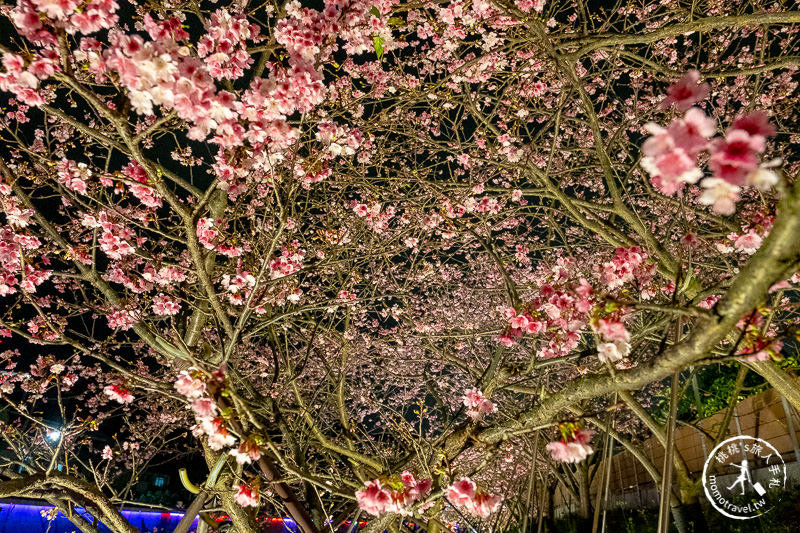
(204,407)
(612,351)
(720,195)
(755,123)
(163,305)
(519,322)
(373,499)
(376,499)
(218,435)
(477,404)
(748,243)
(123,319)
(671,154)
(246,496)
(461,492)
(465,493)
(189,386)
(627,264)
(505,340)
(119,394)
(56,9)
(612,330)
(762,350)
(246,453)
(691,132)
(365,206)
(574,449)
(735,158)
(484,504)
(686,92)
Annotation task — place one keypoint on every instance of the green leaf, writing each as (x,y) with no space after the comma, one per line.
(375,11)
(377,43)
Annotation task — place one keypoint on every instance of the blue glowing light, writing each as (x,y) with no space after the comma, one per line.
(32,518)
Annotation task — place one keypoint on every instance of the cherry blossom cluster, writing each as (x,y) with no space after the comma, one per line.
(16,215)
(626,265)
(559,310)
(310,34)
(13,246)
(48,329)
(478,405)
(247,452)
(23,80)
(223,46)
(758,343)
(40,21)
(122,272)
(309,172)
(305,32)
(68,15)
(118,393)
(211,426)
(161,72)
(394,496)
(45,367)
(207,233)
(192,384)
(375,215)
(122,319)
(74,176)
(288,262)
(671,154)
(339,139)
(115,237)
(752,236)
(147,195)
(762,349)
(163,305)
(238,286)
(465,493)
(164,276)
(246,496)
(527,5)
(573,447)
(614,337)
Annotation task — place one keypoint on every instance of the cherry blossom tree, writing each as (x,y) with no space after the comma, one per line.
(384,259)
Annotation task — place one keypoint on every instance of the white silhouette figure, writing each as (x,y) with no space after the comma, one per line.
(744,475)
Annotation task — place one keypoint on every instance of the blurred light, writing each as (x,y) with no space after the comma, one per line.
(54,435)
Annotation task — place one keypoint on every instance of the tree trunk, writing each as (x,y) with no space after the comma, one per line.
(550,523)
(243,521)
(584,514)
(191,512)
